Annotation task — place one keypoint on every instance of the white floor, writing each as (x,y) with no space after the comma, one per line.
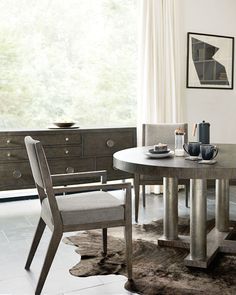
(17,226)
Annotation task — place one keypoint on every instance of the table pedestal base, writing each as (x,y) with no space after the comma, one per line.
(181,242)
(216,242)
(203,247)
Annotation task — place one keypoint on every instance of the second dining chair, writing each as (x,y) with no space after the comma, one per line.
(87,207)
(153,134)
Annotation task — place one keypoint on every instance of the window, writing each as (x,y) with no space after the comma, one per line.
(68,60)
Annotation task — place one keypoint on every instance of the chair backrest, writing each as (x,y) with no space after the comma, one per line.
(163,133)
(41,175)
(38,162)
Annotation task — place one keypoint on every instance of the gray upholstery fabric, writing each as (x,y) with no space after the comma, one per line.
(160,133)
(163,133)
(30,147)
(85,208)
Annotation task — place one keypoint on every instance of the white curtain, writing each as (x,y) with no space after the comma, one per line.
(159,93)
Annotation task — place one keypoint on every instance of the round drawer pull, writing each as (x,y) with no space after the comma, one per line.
(67,139)
(110,143)
(8,155)
(17,174)
(8,141)
(66,152)
(70,170)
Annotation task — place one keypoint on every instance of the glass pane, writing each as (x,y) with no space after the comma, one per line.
(73,60)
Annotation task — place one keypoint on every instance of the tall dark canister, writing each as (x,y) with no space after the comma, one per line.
(204,132)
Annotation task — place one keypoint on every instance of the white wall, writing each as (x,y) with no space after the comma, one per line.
(218,107)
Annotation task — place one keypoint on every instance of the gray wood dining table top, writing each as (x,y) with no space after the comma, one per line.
(135,160)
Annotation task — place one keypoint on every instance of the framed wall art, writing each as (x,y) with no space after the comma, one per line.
(210,61)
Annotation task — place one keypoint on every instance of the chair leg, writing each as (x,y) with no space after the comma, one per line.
(52,248)
(187,188)
(144,196)
(128,238)
(37,237)
(136,195)
(104,240)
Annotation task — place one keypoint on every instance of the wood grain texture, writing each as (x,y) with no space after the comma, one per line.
(53,215)
(67,150)
(134,160)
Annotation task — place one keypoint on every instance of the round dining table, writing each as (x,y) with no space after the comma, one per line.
(203,246)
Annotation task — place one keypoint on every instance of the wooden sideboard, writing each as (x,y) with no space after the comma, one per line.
(67,150)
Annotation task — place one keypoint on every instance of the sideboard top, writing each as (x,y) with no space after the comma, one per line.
(52,130)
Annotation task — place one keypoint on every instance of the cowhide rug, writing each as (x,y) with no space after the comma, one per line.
(157,270)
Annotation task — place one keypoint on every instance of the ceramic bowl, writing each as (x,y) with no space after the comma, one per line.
(64,124)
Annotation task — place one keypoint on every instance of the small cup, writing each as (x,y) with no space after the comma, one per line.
(208,151)
(192,148)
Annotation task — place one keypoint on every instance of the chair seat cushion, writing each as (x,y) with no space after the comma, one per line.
(84,208)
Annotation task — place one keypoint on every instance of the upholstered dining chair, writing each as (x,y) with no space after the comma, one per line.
(87,207)
(153,134)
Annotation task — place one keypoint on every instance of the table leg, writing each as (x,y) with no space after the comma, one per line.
(222,205)
(198,216)
(170,195)
(203,248)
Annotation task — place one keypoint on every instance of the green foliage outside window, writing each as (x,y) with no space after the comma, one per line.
(67,60)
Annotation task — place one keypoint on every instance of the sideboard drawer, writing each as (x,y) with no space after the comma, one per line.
(11,141)
(14,155)
(63,152)
(70,166)
(107,143)
(19,175)
(15,176)
(63,138)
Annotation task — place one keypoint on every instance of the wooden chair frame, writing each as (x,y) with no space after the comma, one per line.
(138,180)
(44,184)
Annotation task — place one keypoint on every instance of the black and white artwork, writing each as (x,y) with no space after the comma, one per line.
(210,61)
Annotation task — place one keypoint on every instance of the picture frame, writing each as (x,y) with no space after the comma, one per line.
(210,61)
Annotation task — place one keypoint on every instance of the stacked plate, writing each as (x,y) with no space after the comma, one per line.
(151,153)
